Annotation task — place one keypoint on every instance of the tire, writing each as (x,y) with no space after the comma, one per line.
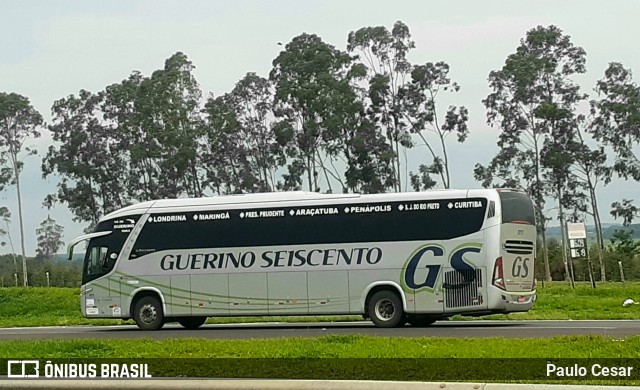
(148,313)
(385,309)
(421,321)
(192,322)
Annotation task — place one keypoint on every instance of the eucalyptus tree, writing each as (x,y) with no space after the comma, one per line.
(420,98)
(128,113)
(19,122)
(313,105)
(252,101)
(49,235)
(156,120)
(173,99)
(617,125)
(5,230)
(225,158)
(353,139)
(625,210)
(370,161)
(617,119)
(589,170)
(558,160)
(87,158)
(384,53)
(531,92)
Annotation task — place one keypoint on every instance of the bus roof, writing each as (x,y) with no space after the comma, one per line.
(162,205)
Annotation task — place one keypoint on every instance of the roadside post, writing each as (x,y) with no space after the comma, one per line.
(578,245)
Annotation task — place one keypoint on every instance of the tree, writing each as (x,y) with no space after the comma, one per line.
(384,53)
(315,106)
(622,242)
(135,141)
(617,118)
(530,93)
(419,98)
(624,249)
(617,124)
(557,160)
(92,165)
(589,170)
(240,151)
(19,121)
(5,216)
(224,154)
(49,239)
(625,210)
(370,160)
(172,97)
(128,113)
(558,157)
(252,99)
(156,121)
(49,234)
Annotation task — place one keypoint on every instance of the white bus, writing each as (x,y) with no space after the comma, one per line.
(393,258)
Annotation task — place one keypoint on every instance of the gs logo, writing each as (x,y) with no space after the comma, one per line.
(520,267)
(456,259)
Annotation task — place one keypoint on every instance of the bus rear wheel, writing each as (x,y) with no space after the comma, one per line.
(385,309)
(420,321)
(192,322)
(148,313)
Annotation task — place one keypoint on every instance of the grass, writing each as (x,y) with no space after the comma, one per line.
(345,356)
(335,346)
(41,306)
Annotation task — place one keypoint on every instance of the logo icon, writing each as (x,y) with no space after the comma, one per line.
(27,369)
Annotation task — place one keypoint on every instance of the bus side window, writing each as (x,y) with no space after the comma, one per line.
(492,210)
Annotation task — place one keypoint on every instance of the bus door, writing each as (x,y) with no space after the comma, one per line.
(101,296)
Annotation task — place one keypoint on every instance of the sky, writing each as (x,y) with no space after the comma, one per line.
(51,49)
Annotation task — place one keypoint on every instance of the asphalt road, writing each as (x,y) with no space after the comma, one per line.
(516,329)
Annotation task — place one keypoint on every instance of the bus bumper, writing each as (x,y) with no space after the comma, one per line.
(515,301)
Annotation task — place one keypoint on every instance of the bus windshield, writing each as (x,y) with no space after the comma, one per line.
(102,253)
(96,263)
(516,208)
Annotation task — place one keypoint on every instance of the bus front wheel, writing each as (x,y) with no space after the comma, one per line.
(148,313)
(385,309)
(192,322)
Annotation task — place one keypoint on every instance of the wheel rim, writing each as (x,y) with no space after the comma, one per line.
(148,314)
(385,309)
